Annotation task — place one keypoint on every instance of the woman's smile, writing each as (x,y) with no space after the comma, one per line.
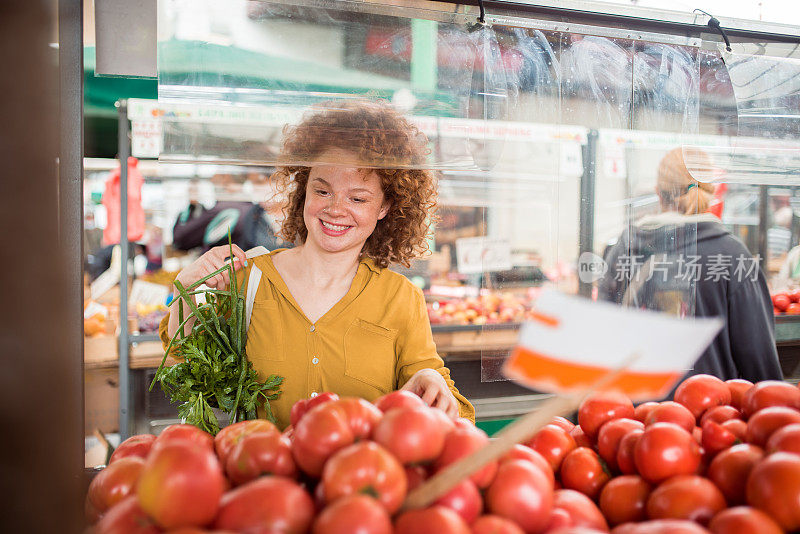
(334,230)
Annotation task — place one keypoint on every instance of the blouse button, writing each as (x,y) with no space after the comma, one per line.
(312,328)
(315,360)
(314,394)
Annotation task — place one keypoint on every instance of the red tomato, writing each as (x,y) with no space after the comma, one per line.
(523,452)
(126,518)
(624,499)
(444,421)
(411,434)
(666,450)
(793,309)
(641,412)
(228,437)
(553,443)
(138,446)
(462,442)
(181,484)
(522,493)
(185,432)
(774,488)
(299,409)
(701,392)
(328,427)
(609,437)
(602,407)
(580,437)
(464,499)
(738,387)
(781,301)
(415,475)
(260,454)
(626,462)
(268,504)
(764,422)
(661,526)
(686,497)
(353,514)
(743,519)
(574,509)
(583,471)
(730,468)
(737,427)
(787,439)
(563,422)
(715,438)
(114,483)
(433,520)
(494,524)
(368,468)
(720,414)
(672,412)
(770,393)
(399,399)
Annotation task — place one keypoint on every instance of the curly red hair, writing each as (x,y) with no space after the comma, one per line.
(377,136)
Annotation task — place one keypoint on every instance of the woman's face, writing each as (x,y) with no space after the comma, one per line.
(343,205)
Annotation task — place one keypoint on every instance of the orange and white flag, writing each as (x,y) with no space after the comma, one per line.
(572,342)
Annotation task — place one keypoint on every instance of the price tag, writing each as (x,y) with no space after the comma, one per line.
(482,254)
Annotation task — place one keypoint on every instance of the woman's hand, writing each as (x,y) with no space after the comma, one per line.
(433,390)
(209,262)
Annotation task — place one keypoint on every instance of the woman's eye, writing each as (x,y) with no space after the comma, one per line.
(321,192)
(359,200)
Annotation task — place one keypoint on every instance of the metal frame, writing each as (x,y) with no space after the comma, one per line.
(587,203)
(125,415)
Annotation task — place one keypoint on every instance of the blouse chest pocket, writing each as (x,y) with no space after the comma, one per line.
(370,354)
(265,335)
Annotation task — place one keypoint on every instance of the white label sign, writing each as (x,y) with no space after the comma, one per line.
(482,254)
(146,138)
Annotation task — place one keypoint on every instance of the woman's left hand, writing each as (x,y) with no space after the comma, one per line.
(433,390)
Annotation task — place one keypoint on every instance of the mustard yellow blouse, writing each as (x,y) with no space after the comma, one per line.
(370,343)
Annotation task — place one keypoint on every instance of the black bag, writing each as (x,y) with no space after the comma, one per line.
(200,227)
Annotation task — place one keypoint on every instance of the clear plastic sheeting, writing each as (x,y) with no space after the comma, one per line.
(755,96)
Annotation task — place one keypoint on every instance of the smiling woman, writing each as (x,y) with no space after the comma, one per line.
(328,315)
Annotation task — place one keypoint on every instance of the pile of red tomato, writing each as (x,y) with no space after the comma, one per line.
(786,302)
(724,457)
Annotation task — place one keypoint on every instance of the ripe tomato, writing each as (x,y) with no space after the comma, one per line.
(609,437)
(770,393)
(181,484)
(138,446)
(720,414)
(686,497)
(185,432)
(494,524)
(742,519)
(601,407)
(672,412)
(730,468)
(523,452)
(641,412)
(583,471)
(666,450)
(737,427)
(433,520)
(626,462)
(228,437)
(563,422)
(738,387)
(266,453)
(781,301)
(411,434)
(328,427)
(444,421)
(126,518)
(793,309)
(462,442)
(661,526)
(300,407)
(353,514)
(399,399)
(522,493)
(580,437)
(716,438)
(764,422)
(268,504)
(787,439)
(114,483)
(464,499)
(701,392)
(624,499)
(572,509)
(368,468)
(553,443)
(774,488)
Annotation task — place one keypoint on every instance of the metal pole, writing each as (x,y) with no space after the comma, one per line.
(588,178)
(124,342)
(763,221)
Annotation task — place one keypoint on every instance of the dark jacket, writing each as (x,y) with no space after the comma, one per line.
(725,283)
